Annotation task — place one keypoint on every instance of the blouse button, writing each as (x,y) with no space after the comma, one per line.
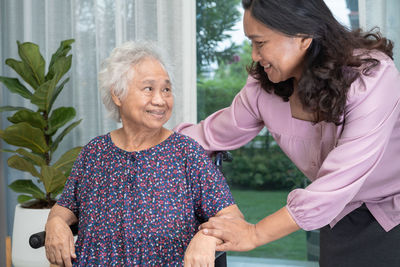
(314,164)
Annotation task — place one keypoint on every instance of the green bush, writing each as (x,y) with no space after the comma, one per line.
(260,168)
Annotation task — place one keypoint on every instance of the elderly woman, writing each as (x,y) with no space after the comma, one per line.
(139,192)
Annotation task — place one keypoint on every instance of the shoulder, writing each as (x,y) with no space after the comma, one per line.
(98,143)
(252,88)
(255,99)
(188,147)
(184,142)
(382,83)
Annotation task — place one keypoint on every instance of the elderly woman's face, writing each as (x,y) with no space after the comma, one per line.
(149,101)
(280,55)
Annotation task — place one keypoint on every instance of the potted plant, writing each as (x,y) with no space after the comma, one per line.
(36,133)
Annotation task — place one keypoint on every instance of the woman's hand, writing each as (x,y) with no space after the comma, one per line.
(201,251)
(239,235)
(59,243)
(236,233)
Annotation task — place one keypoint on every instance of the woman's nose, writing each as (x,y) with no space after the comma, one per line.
(255,54)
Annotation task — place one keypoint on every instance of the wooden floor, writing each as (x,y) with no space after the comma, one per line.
(8,251)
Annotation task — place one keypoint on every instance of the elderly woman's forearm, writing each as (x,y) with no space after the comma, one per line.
(63,213)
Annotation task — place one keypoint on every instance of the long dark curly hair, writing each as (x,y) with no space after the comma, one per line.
(331,64)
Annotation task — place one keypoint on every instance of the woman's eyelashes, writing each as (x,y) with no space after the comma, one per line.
(258,44)
(164,91)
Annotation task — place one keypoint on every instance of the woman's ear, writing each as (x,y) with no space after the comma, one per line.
(305,43)
(116,99)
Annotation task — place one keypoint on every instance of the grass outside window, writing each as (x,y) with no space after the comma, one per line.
(255,205)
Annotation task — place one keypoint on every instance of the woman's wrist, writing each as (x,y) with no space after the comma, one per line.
(259,237)
(274,226)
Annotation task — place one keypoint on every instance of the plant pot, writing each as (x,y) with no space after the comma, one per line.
(26,223)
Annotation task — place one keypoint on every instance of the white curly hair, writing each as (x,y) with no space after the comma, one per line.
(116,71)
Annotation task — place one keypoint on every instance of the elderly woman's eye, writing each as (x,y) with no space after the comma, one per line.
(148,89)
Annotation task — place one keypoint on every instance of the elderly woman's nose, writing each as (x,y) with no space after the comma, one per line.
(158,97)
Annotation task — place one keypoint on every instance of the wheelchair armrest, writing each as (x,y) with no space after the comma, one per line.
(37,240)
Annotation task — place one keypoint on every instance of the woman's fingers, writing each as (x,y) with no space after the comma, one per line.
(215,223)
(224,247)
(66,256)
(216,233)
(59,243)
(72,247)
(237,234)
(50,256)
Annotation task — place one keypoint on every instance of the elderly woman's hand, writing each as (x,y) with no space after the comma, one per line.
(59,242)
(201,251)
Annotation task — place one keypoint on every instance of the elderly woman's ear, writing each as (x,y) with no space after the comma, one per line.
(115,99)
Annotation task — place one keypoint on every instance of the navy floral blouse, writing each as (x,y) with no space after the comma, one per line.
(141,208)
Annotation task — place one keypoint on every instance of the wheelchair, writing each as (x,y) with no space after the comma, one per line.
(37,240)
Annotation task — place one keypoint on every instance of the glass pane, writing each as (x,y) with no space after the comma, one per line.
(260,176)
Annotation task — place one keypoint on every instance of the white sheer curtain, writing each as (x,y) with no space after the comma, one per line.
(97,27)
(385,15)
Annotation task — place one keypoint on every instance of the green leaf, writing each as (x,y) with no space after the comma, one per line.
(24,198)
(52,178)
(23,134)
(56,92)
(33,118)
(24,71)
(57,191)
(67,160)
(41,98)
(60,137)
(35,159)
(15,86)
(7,150)
(62,51)
(27,187)
(60,67)
(22,164)
(30,55)
(59,117)
(10,108)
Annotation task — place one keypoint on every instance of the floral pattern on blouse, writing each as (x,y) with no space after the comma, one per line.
(141,208)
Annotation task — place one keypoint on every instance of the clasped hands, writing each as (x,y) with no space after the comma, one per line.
(221,233)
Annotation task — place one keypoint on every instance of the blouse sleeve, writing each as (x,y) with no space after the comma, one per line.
(209,188)
(232,127)
(69,197)
(371,112)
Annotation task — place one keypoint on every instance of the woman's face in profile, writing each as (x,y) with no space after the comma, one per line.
(280,55)
(149,101)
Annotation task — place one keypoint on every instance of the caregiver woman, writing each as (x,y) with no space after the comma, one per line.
(330,98)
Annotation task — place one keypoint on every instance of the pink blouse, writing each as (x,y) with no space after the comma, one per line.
(350,164)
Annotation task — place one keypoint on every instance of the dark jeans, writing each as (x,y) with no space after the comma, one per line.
(358,240)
